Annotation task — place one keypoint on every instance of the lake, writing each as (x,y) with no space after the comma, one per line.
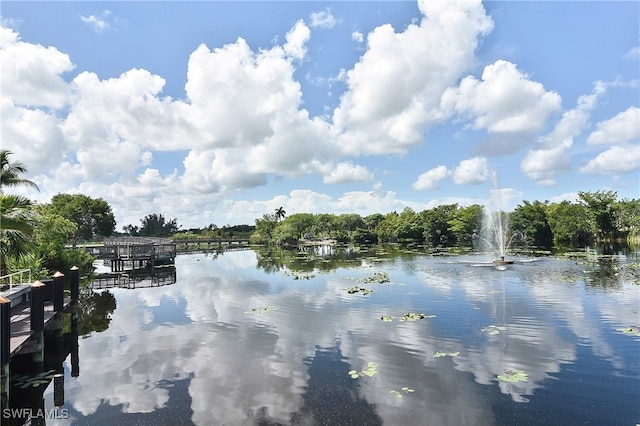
(245,337)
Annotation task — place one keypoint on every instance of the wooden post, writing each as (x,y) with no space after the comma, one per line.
(5,329)
(37,306)
(37,320)
(75,283)
(5,345)
(58,291)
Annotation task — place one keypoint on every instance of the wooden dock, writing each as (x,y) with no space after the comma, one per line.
(221,244)
(21,332)
(128,253)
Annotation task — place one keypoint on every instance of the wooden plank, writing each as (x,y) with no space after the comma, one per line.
(21,324)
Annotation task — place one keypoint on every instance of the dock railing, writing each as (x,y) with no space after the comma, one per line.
(7,282)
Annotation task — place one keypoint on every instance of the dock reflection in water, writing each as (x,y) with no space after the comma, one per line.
(236,341)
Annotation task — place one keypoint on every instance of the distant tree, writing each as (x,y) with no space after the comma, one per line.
(465,223)
(264,228)
(437,231)
(627,216)
(387,228)
(600,205)
(131,230)
(280,214)
(410,225)
(569,223)
(155,225)
(10,172)
(52,233)
(300,223)
(93,216)
(324,224)
(530,220)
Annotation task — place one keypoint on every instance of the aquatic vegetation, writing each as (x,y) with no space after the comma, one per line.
(403,390)
(356,289)
(442,354)
(372,370)
(300,275)
(513,376)
(43,378)
(409,316)
(376,277)
(492,330)
(634,330)
(261,309)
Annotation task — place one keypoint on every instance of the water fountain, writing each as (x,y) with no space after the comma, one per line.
(497,227)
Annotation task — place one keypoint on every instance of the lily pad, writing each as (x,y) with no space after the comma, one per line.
(372,370)
(634,330)
(399,393)
(376,277)
(513,376)
(441,354)
(412,316)
(361,290)
(492,330)
(260,310)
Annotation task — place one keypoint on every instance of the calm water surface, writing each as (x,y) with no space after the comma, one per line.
(194,352)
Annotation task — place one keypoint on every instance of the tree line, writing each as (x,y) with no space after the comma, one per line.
(596,216)
(36,236)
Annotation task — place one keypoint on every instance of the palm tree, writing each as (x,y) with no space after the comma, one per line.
(280,213)
(10,172)
(16,227)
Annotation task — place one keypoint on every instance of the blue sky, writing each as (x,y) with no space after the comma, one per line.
(218,112)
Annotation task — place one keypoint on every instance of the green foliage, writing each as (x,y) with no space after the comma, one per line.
(600,206)
(264,229)
(443,354)
(569,223)
(93,216)
(493,330)
(404,390)
(16,228)
(437,231)
(29,260)
(361,290)
(513,376)
(11,171)
(372,370)
(376,277)
(155,225)
(465,223)
(633,330)
(530,220)
(541,224)
(52,233)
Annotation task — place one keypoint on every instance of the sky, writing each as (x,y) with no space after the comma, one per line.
(220,112)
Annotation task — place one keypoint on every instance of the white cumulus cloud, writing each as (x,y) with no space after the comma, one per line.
(615,160)
(624,127)
(347,172)
(431,178)
(472,171)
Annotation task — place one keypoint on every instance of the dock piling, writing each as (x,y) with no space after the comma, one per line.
(58,291)
(5,344)
(75,283)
